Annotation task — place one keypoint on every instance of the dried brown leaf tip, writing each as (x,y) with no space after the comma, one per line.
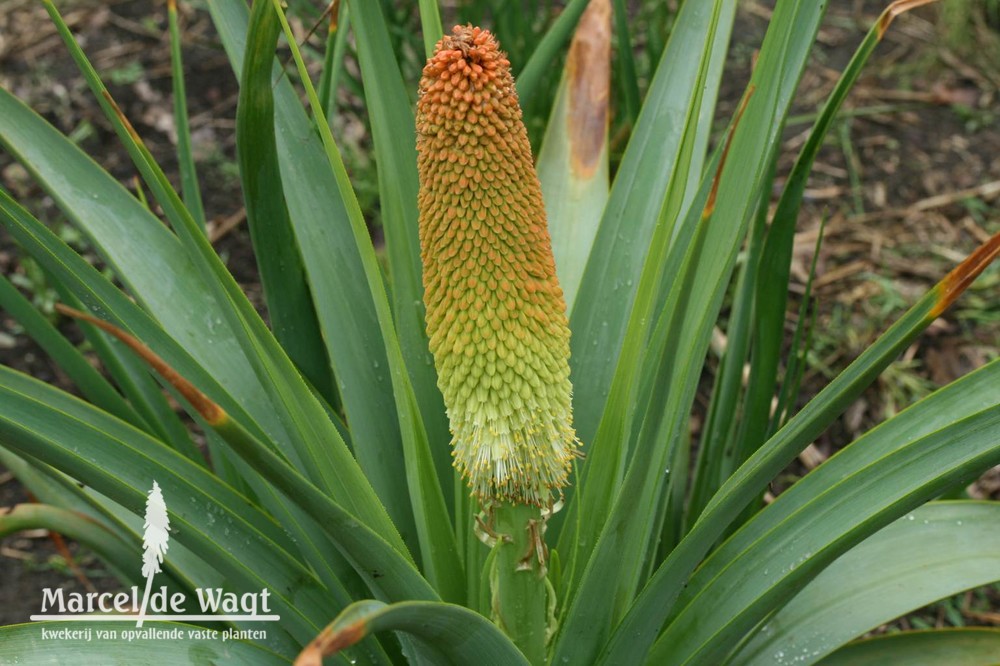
(958,280)
(208,409)
(588,68)
(895,9)
(496,317)
(329,642)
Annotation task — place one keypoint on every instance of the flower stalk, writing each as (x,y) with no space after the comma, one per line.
(518,585)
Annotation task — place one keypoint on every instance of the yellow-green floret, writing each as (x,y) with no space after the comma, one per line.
(496,317)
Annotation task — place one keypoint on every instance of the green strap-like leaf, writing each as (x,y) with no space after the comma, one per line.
(34,649)
(333,60)
(971,394)
(626,63)
(373,557)
(602,415)
(667,379)
(654,604)
(221,526)
(775,263)
(453,633)
(720,424)
(77,526)
(190,186)
(632,507)
(394,135)
(573,160)
(87,379)
(665,153)
(387,572)
(430,25)
(437,541)
(618,543)
(290,305)
(971,646)
(948,547)
(865,497)
(141,389)
(103,298)
(322,453)
(146,256)
(286,290)
(548,49)
(53,487)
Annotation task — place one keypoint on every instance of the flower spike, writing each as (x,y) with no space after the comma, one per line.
(496,317)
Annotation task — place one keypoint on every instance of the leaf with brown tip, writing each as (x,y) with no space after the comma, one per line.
(209,410)
(960,277)
(457,633)
(573,160)
(895,9)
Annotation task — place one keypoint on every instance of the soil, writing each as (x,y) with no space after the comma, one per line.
(908,184)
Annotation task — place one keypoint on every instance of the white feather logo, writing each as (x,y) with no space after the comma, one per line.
(155,541)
